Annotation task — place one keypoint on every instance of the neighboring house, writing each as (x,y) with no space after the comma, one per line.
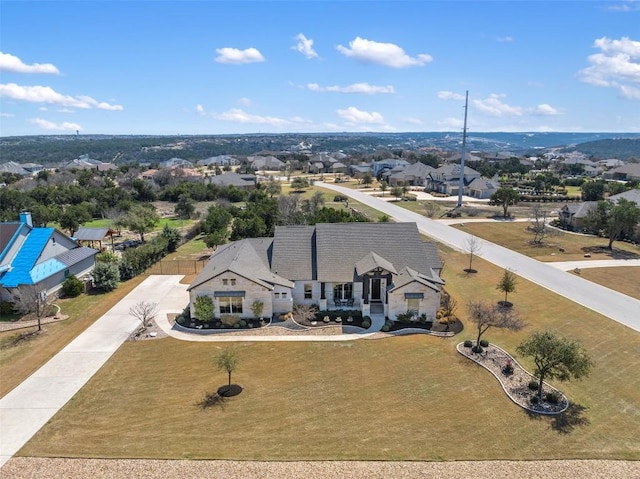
(14,168)
(413,175)
(265,163)
(572,215)
(389,164)
(176,162)
(85,163)
(338,167)
(377,268)
(446,179)
(630,171)
(358,171)
(221,160)
(482,188)
(245,182)
(631,195)
(43,257)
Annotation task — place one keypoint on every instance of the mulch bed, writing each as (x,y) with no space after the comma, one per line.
(455,327)
(516,383)
(208,325)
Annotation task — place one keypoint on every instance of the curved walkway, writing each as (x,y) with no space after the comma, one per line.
(609,303)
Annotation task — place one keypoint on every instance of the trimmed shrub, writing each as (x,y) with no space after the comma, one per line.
(477,348)
(236,326)
(243,323)
(72,287)
(468,343)
(552,397)
(385,328)
(230,320)
(533,385)
(484,343)
(326,319)
(6,307)
(534,400)
(338,319)
(366,324)
(204,308)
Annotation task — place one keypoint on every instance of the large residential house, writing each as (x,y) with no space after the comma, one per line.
(630,171)
(242,181)
(40,257)
(482,188)
(413,175)
(389,164)
(446,179)
(266,163)
(630,195)
(572,215)
(377,268)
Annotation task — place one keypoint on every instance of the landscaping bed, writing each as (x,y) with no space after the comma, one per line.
(217,324)
(516,380)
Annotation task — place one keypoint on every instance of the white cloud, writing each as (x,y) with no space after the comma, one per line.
(413,121)
(449,95)
(65,110)
(506,39)
(237,57)
(238,115)
(6,115)
(626,6)
(616,66)
(544,109)
(450,123)
(45,94)
(49,125)
(11,63)
(353,115)
(244,101)
(495,107)
(387,54)
(364,88)
(304,45)
(200,110)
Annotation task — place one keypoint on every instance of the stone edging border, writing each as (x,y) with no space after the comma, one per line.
(516,364)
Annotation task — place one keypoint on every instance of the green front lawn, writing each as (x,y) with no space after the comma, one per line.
(405,398)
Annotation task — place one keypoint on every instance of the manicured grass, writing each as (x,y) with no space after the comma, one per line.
(402,398)
(103,223)
(19,361)
(516,237)
(625,279)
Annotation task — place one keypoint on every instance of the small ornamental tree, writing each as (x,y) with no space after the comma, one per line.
(106,276)
(485,316)
(507,285)
(555,357)
(383,186)
(227,361)
(204,308)
(172,236)
(299,183)
(505,197)
(472,246)
(256,308)
(32,299)
(144,312)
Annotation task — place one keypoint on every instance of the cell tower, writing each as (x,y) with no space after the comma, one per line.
(462,155)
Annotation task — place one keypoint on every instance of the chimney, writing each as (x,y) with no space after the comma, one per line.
(25,218)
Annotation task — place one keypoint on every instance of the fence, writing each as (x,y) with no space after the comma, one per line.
(178,266)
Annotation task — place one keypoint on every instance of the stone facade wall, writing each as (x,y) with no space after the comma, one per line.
(428,305)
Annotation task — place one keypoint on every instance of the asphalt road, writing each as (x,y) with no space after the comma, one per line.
(614,305)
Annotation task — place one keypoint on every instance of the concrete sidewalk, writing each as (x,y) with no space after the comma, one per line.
(596,263)
(31,404)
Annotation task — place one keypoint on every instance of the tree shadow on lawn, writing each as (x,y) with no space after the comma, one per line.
(212,400)
(614,253)
(566,422)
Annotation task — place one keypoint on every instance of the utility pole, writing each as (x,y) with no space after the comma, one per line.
(464,147)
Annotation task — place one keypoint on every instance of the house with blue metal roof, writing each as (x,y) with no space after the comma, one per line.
(39,257)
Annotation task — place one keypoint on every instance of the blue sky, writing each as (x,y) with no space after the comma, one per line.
(213,67)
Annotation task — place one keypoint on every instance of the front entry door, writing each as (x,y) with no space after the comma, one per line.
(375,289)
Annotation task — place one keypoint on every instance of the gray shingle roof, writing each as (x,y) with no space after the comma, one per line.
(341,245)
(372,261)
(247,258)
(293,253)
(631,195)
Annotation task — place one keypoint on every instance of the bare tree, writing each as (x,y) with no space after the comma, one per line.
(31,299)
(431,209)
(144,312)
(472,246)
(539,225)
(304,313)
(485,316)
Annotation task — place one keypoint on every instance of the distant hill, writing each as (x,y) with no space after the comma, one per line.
(620,148)
(50,150)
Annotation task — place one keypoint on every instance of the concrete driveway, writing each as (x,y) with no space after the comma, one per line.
(31,404)
(614,305)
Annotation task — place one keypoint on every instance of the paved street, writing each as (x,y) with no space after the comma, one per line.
(31,404)
(605,301)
